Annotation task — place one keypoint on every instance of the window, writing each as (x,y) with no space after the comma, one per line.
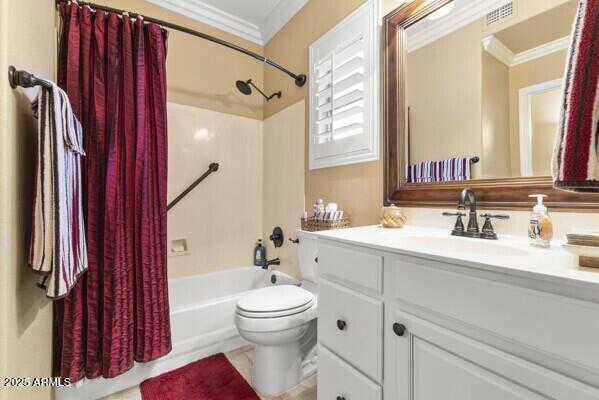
(344,92)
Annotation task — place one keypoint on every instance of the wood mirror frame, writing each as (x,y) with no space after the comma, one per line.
(505,193)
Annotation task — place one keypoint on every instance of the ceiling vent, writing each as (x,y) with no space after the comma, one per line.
(499,14)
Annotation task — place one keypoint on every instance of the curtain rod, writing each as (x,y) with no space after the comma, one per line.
(300,79)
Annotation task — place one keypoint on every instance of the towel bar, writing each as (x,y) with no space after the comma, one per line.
(25,79)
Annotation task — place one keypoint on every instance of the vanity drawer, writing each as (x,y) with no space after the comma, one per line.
(350,324)
(336,379)
(357,267)
(562,328)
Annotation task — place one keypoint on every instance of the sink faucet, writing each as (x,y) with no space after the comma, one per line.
(468,194)
(268,263)
(472,230)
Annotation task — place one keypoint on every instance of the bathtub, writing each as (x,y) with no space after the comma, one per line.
(202,309)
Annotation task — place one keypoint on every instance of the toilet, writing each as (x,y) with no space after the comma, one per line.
(281,322)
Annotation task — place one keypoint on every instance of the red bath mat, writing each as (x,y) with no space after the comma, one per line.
(212,378)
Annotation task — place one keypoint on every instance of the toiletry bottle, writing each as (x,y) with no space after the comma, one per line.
(320,205)
(259,253)
(540,227)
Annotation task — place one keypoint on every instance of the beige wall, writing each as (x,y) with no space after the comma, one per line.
(495,157)
(533,72)
(201,73)
(283,177)
(444,81)
(543,136)
(544,110)
(222,217)
(356,188)
(27,41)
(545,27)
(388,6)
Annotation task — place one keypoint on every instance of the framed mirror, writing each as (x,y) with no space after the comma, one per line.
(473,92)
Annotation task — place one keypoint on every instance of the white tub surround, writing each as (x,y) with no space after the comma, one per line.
(418,314)
(202,309)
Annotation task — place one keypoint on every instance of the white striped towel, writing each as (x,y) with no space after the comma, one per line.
(58,248)
(451,169)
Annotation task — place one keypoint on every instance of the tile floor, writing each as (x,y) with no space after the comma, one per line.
(242,360)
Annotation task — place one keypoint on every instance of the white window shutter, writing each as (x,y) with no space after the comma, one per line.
(344,91)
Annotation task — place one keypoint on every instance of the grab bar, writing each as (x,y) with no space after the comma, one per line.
(213,167)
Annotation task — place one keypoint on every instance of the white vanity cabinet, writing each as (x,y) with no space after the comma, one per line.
(402,327)
(430,362)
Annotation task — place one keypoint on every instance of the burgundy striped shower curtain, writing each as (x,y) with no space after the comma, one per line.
(113,69)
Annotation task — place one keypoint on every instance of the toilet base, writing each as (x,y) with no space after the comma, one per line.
(283,358)
(276,368)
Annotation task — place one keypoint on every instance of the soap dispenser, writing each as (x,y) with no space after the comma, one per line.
(540,227)
(259,254)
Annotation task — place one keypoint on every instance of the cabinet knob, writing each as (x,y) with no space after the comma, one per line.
(399,329)
(316,260)
(340,398)
(341,325)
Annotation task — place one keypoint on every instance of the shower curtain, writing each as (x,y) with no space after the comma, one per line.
(113,69)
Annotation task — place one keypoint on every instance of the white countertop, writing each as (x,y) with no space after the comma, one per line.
(511,255)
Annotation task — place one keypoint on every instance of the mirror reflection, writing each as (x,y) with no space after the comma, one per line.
(483,89)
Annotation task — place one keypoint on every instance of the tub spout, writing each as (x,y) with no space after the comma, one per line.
(268,263)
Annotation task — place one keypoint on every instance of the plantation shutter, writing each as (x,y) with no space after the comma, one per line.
(342,92)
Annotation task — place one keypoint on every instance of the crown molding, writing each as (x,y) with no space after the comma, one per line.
(427,31)
(213,16)
(500,51)
(279,16)
(541,51)
(497,49)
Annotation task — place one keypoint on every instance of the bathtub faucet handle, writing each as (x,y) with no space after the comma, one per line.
(277,236)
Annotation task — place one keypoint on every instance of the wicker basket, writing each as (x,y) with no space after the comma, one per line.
(316,224)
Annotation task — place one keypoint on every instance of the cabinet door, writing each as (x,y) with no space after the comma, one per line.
(338,380)
(427,362)
(350,324)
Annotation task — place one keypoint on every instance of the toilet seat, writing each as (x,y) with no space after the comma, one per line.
(274,324)
(275,302)
(274,314)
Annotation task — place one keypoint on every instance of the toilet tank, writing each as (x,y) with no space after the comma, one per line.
(307,253)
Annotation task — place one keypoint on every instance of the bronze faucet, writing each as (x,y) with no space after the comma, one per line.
(468,194)
(472,231)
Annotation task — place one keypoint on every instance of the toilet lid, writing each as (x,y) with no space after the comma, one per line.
(288,298)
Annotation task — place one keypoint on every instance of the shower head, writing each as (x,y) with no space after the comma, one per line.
(244,87)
